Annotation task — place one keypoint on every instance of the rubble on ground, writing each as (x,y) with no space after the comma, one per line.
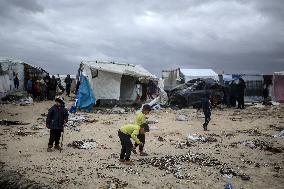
(173,164)
(200,138)
(262,145)
(182,118)
(10,122)
(279,135)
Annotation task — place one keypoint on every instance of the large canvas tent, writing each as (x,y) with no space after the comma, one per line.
(9,68)
(278,86)
(114,81)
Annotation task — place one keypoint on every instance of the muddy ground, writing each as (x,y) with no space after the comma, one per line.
(238,148)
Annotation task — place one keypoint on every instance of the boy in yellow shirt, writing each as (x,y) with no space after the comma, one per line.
(141,119)
(125,133)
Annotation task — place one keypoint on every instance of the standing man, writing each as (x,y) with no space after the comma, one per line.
(16,82)
(52,88)
(47,82)
(206,110)
(241,93)
(68,82)
(57,117)
(30,86)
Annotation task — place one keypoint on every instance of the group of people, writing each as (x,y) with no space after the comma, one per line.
(46,88)
(234,93)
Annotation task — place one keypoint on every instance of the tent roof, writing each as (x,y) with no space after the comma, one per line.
(120,68)
(279,73)
(199,72)
(15,61)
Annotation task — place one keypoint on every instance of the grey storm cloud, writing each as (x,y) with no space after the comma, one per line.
(237,36)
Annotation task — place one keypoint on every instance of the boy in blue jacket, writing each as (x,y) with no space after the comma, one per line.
(57,117)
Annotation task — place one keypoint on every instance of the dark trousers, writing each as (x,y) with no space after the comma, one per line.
(241,102)
(207,115)
(126,146)
(141,138)
(68,90)
(55,135)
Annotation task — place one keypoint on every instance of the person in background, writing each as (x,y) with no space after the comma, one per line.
(47,82)
(37,90)
(206,110)
(241,93)
(43,89)
(68,82)
(57,117)
(30,86)
(125,133)
(141,119)
(52,88)
(265,94)
(16,82)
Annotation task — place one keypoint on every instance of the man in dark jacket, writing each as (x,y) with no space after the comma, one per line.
(56,118)
(241,93)
(68,82)
(52,88)
(206,110)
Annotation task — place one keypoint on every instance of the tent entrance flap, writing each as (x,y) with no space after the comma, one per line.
(128,88)
(86,98)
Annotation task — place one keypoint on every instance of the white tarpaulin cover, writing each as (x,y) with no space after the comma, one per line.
(120,68)
(199,73)
(108,82)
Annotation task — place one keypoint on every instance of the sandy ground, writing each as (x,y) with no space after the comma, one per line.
(24,150)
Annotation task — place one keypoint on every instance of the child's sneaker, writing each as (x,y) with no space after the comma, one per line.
(134,151)
(58,147)
(121,160)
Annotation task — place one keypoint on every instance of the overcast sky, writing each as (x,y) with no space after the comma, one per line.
(235,36)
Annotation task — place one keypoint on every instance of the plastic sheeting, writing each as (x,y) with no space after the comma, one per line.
(107,85)
(190,74)
(86,98)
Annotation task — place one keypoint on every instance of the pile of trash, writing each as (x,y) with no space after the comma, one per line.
(75,120)
(84,144)
(200,138)
(262,145)
(173,164)
(230,172)
(114,110)
(18,98)
(182,118)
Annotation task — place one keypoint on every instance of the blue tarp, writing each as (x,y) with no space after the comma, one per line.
(85,95)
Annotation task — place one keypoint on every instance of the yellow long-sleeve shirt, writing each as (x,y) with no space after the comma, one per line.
(132,130)
(140,119)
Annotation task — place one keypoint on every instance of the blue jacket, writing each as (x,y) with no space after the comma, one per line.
(30,85)
(56,117)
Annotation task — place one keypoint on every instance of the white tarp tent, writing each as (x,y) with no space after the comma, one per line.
(190,74)
(111,80)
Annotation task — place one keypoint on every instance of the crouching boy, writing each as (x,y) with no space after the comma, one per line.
(140,119)
(56,118)
(125,133)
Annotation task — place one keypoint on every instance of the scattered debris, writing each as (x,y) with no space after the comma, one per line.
(9,122)
(36,127)
(230,172)
(161,139)
(262,145)
(84,144)
(118,110)
(200,138)
(173,164)
(113,183)
(153,128)
(280,135)
(182,118)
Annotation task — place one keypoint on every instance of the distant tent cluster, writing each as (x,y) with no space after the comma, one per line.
(119,83)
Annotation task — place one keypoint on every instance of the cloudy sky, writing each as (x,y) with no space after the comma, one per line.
(235,36)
